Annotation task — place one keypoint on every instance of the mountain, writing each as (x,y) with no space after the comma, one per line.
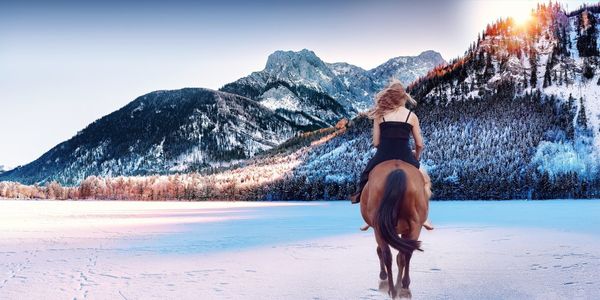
(161,132)
(554,61)
(407,68)
(517,117)
(309,92)
(298,86)
(199,130)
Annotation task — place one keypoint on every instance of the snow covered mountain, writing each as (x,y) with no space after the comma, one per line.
(556,59)
(199,129)
(407,68)
(309,92)
(161,132)
(517,117)
(298,86)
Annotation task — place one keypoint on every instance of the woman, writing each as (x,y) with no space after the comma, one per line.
(392,125)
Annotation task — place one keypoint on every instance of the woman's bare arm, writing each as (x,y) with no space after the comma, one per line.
(416,131)
(376,122)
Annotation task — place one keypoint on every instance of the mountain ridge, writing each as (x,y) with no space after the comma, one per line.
(351,86)
(161,132)
(110,150)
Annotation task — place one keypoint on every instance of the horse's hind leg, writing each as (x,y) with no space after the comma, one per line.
(406,277)
(400,261)
(382,273)
(387,259)
(413,235)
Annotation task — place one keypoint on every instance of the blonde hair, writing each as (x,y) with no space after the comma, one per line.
(390,98)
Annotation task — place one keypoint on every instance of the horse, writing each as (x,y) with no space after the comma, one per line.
(395,201)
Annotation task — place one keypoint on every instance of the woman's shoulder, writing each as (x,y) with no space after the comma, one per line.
(413,119)
(413,114)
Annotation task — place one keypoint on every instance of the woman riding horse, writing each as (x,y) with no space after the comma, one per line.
(392,127)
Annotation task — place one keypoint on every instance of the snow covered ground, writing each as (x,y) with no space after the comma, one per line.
(291,250)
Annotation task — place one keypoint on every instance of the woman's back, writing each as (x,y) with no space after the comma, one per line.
(402,114)
(392,126)
(394,138)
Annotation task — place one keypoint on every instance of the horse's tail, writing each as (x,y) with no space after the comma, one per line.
(387,215)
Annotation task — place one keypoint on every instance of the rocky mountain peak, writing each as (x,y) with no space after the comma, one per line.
(431,55)
(284,60)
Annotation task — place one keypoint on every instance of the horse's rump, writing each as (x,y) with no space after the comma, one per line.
(391,206)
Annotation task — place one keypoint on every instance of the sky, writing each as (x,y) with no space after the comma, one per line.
(64,64)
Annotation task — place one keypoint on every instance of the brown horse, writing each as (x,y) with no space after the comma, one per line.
(395,201)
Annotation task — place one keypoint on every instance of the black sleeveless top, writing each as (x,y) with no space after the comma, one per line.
(393,142)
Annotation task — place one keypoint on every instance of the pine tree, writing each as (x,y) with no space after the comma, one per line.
(581,118)
(533,62)
(587,34)
(549,66)
(570,102)
(588,70)
(489,68)
(547,77)
(565,41)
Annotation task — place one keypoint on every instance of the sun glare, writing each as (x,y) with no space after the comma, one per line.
(519,10)
(521,17)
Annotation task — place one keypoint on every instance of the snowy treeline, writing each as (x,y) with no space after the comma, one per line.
(172,187)
(486,148)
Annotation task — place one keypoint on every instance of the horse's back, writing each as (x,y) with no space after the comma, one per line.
(414,177)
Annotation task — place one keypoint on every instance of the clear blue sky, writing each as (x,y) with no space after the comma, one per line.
(64,64)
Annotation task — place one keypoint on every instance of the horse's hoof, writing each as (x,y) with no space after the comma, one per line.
(405,293)
(384,286)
